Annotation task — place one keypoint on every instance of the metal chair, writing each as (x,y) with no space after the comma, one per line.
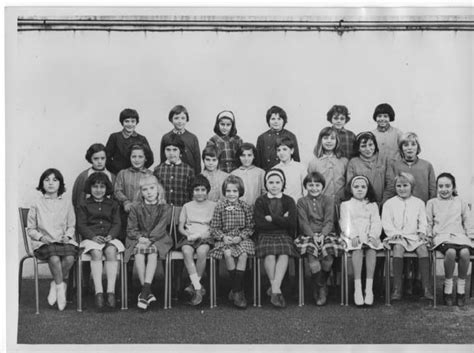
(23,212)
(123,289)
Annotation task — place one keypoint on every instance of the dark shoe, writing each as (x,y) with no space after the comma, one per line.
(427,294)
(409,286)
(396,294)
(323,293)
(197,297)
(449,299)
(99,300)
(189,290)
(278,301)
(269,291)
(111,300)
(150,299)
(461,299)
(281,300)
(142,302)
(316,295)
(239,300)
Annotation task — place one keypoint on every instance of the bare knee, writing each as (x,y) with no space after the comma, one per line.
(111,253)
(464,254)
(96,255)
(450,254)
(202,251)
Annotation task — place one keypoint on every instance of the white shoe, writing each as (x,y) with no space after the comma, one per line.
(369,297)
(358,297)
(61,295)
(52,293)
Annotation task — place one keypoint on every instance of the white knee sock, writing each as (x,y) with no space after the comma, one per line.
(195,281)
(111,272)
(448,285)
(461,285)
(96,270)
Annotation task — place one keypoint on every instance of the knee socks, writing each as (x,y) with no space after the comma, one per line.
(461,285)
(397,272)
(195,281)
(424,264)
(448,285)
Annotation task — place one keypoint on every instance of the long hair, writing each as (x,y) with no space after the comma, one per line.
(327,131)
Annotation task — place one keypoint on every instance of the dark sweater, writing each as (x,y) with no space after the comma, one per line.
(279,223)
(98,218)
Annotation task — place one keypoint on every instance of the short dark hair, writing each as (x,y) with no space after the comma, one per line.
(178,109)
(338,109)
(98,178)
(278,172)
(384,108)
(57,174)
(327,131)
(210,151)
(286,141)
(450,177)
(146,151)
(363,137)
(201,180)
(231,117)
(173,140)
(128,114)
(314,177)
(236,180)
(276,110)
(370,190)
(94,148)
(246,146)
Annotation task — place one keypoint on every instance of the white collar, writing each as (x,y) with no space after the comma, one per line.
(279,196)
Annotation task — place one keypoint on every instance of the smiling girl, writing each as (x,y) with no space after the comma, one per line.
(387,136)
(339,116)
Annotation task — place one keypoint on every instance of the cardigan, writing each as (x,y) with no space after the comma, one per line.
(334,171)
(315,215)
(227,148)
(117,150)
(449,221)
(279,224)
(98,218)
(254,184)
(127,185)
(191,154)
(216,179)
(266,157)
(405,217)
(78,193)
(387,142)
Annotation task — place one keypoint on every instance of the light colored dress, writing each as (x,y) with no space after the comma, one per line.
(405,217)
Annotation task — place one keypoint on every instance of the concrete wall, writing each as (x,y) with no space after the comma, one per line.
(66,89)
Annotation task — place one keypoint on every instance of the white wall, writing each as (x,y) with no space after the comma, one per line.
(65,91)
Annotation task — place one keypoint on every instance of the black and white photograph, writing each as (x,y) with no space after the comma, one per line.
(239,178)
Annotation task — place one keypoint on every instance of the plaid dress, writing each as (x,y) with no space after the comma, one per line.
(232,219)
(177,180)
(346,139)
(227,148)
(316,216)
(276,237)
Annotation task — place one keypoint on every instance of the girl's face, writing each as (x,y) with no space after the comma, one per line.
(98,191)
(129,125)
(367,148)
(51,185)
(409,149)
(98,160)
(329,143)
(284,153)
(200,193)
(274,185)
(338,120)
(246,158)
(276,122)
(403,188)
(172,154)
(210,163)
(150,192)
(359,189)
(445,188)
(232,192)
(315,188)
(137,158)
(383,120)
(179,121)
(225,125)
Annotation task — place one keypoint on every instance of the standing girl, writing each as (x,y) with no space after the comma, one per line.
(452,232)
(147,237)
(98,222)
(317,237)
(51,222)
(232,226)
(330,163)
(339,116)
(361,228)
(275,220)
(226,140)
(194,221)
(387,136)
(404,223)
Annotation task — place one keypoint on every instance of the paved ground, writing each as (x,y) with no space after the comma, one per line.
(410,321)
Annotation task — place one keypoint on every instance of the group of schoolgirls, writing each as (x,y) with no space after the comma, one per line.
(253,200)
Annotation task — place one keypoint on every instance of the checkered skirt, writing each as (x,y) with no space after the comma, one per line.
(56,249)
(245,246)
(275,244)
(332,245)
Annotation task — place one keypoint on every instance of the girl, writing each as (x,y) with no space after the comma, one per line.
(232,226)
(211,171)
(317,238)
(251,175)
(329,162)
(404,223)
(387,136)
(147,237)
(96,156)
(452,233)
(370,163)
(339,116)
(266,156)
(98,222)
(226,140)
(194,223)
(51,222)
(275,220)
(361,228)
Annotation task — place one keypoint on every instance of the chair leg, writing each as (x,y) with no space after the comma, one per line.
(20,276)
(79,284)
(212,284)
(472,277)
(167,280)
(300,282)
(123,284)
(346,279)
(387,278)
(36,285)
(343,279)
(259,283)
(254,271)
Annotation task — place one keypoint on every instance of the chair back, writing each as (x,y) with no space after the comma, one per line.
(173,228)
(23,212)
